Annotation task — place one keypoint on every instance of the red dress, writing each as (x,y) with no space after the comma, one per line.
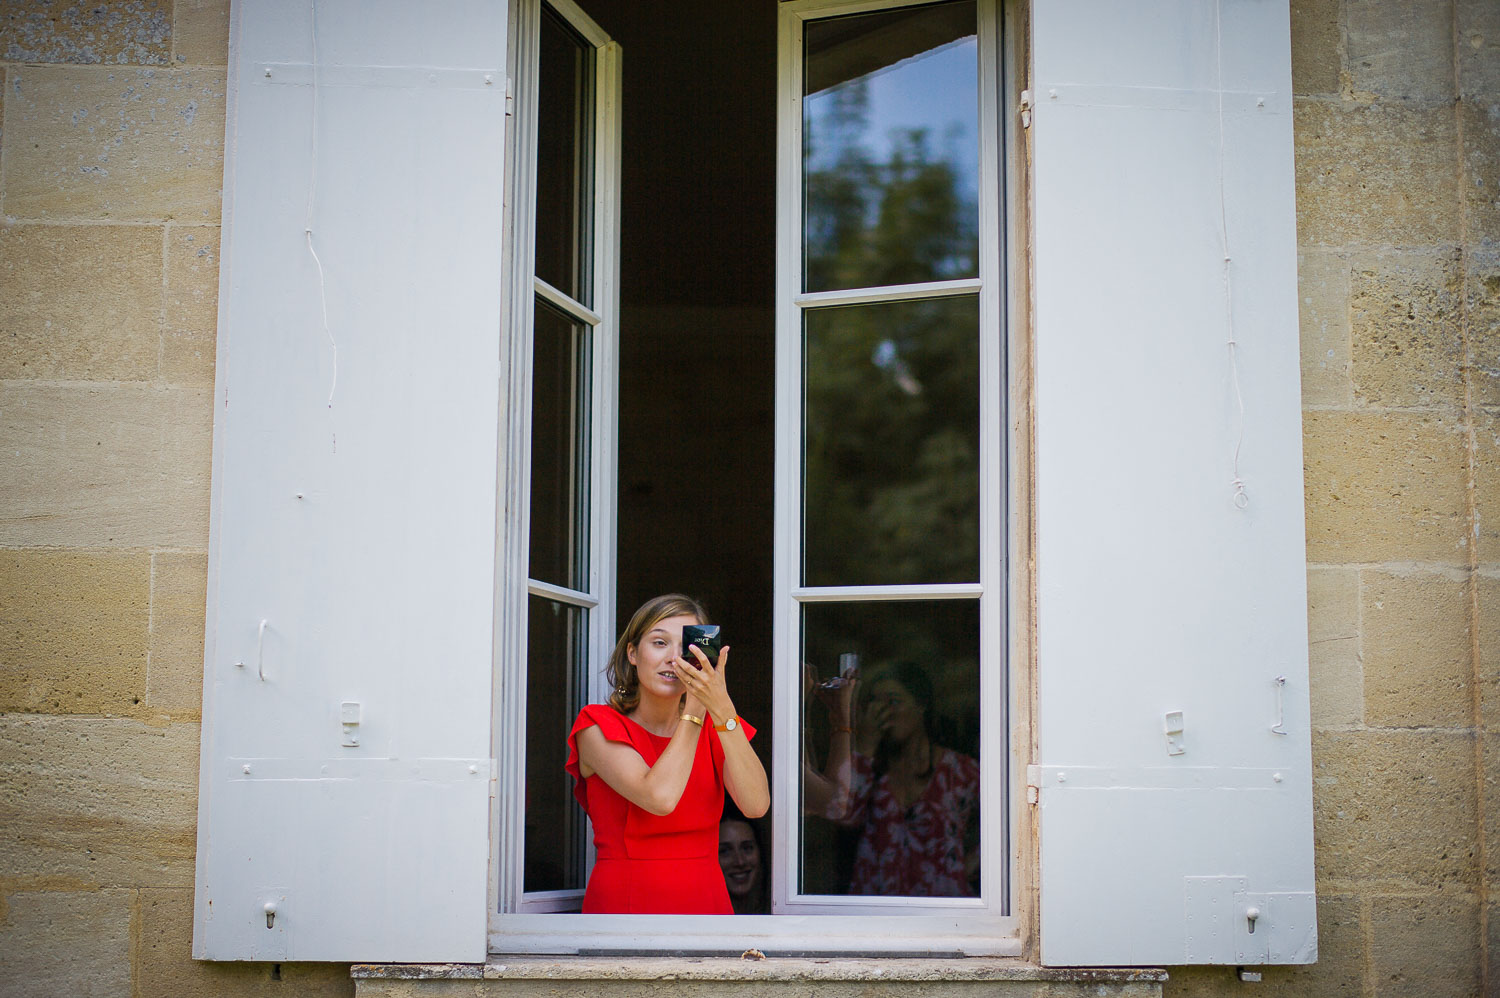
(648,863)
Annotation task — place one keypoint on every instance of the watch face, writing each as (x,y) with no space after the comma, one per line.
(731,724)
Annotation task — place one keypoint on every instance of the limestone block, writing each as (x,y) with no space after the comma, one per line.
(1316,44)
(80,302)
(1486,529)
(1487,593)
(167,970)
(74,943)
(73,631)
(179,595)
(108,31)
(200,32)
(1375,174)
(1478,48)
(1337,683)
(1426,945)
(1323,293)
(190,310)
(1394,810)
(1417,647)
(1385,487)
(117,144)
(1481,170)
(1483,306)
(116,466)
(1406,329)
(1402,50)
(104,801)
(1339,970)
(1491,768)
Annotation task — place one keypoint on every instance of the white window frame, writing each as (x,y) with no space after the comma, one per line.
(974,927)
(791,596)
(507,838)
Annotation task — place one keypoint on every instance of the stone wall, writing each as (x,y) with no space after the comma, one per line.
(110,172)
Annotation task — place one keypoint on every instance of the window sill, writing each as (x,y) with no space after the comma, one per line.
(698,968)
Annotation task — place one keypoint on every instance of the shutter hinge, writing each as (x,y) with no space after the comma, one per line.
(1025,108)
(1033,784)
(510,98)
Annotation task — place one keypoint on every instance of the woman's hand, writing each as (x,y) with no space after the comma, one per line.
(705,684)
(873,721)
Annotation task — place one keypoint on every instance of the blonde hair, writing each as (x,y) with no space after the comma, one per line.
(625,693)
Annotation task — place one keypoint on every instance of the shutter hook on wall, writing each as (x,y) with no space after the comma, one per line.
(1280,726)
(260,647)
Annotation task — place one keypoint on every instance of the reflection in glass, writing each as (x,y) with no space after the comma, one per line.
(559,449)
(564,150)
(891,147)
(555,687)
(890,795)
(891,446)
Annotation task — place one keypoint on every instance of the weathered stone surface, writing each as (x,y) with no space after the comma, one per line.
(1323,293)
(73,631)
(1337,684)
(1338,972)
(200,32)
(1482,283)
(1487,598)
(166,968)
(179,594)
(1487,483)
(117,144)
(1426,945)
(1418,650)
(1394,810)
(1406,329)
(1316,46)
(1491,769)
(74,943)
(79,302)
(107,31)
(190,310)
(104,465)
(1375,174)
(1481,170)
(110,802)
(1385,487)
(1478,48)
(1402,50)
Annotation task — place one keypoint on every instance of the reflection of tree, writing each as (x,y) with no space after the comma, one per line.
(892,444)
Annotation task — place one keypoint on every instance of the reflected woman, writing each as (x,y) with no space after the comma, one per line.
(651,768)
(915,802)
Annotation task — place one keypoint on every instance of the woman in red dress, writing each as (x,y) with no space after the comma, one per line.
(651,767)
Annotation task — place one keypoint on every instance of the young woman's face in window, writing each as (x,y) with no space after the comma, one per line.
(739,857)
(895,710)
(652,656)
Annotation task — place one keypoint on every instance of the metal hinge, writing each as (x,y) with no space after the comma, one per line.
(510,98)
(1025,108)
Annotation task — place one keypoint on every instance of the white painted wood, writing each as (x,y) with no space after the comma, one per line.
(894,292)
(360,529)
(1155,592)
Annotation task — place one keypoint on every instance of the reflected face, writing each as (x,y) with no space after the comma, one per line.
(895,710)
(739,858)
(653,656)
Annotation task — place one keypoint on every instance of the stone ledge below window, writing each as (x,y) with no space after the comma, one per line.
(704,977)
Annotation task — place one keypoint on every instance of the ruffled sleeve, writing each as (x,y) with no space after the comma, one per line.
(611,724)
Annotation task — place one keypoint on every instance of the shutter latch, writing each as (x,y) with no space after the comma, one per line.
(1025,108)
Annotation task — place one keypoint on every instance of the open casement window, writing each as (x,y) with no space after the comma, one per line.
(1173,767)
(560,536)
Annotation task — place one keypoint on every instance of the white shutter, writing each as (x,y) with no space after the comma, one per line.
(1162,130)
(362,532)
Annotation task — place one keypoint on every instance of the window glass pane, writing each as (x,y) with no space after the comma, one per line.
(891,147)
(555,690)
(559,449)
(564,154)
(891,443)
(891,808)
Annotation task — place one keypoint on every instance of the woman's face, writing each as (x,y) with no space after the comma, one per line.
(652,656)
(739,857)
(895,710)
